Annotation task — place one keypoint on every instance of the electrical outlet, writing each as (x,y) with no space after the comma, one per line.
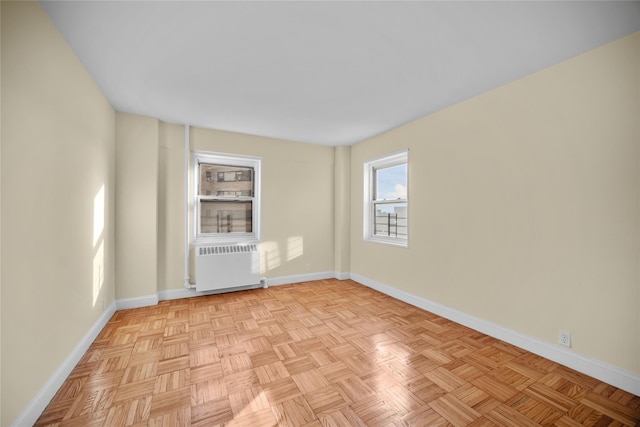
(564,338)
(308,268)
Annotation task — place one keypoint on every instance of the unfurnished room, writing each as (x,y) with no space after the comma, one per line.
(320,213)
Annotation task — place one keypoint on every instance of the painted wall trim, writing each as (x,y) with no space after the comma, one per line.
(34,409)
(342,276)
(136,302)
(617,377)
(308,277)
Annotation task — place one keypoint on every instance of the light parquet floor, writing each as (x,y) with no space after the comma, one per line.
(324,353)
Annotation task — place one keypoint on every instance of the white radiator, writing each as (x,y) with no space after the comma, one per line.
(227,266)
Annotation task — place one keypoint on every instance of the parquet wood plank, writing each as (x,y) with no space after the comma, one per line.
(327,400)
(611,409)
(355,389)
(445,379)
(206,372)
(203,356)
(494,387)
(402,399)
(293,412)
(264,417)
(249,400)
(172,381)
(550,397)
(174,364)
(271,372)
(178,417)
(425,417)
(536,410)
(425,389)
(335,419)
(454,410)
(464,370)
(207,391)
(131,391)
(95,419)
(336,372)
(281,390)
(170,402)
(475,398)
(504,415)
(375,410)
(310,380)
(139,372)
(213,413)
(323,353)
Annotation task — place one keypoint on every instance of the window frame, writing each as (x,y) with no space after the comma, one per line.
(370,188)
(231,160)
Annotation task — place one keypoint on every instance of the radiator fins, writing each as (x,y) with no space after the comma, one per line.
(229,249)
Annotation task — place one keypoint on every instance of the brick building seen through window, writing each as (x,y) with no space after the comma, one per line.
(229,206)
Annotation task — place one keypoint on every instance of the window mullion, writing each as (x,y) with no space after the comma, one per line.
(383,202)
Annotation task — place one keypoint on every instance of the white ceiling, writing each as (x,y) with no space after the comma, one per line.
(329,73)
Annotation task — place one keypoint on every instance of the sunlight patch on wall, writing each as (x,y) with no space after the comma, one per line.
(98,242)
(269,256)
(98,272)
(295,247)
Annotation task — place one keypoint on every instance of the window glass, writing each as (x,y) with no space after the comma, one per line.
(225,217)
(391,220)
(229,180)
(391,183)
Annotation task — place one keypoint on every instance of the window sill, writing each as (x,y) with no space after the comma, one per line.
(230,238)
(389,241)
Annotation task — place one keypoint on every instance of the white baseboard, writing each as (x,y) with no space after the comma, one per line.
(297,278)
(34,409)
(617,377)
(177,294)
(126,303)
(271,281)
(342,276)
(188,293)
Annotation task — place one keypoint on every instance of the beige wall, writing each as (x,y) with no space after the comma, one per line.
(149,209)
(57,203)
(137,160)
(524,205)
(297,199)
(171,216)
(342,210)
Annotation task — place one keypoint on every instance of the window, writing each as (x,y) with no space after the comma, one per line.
(386,204)
(227,198)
